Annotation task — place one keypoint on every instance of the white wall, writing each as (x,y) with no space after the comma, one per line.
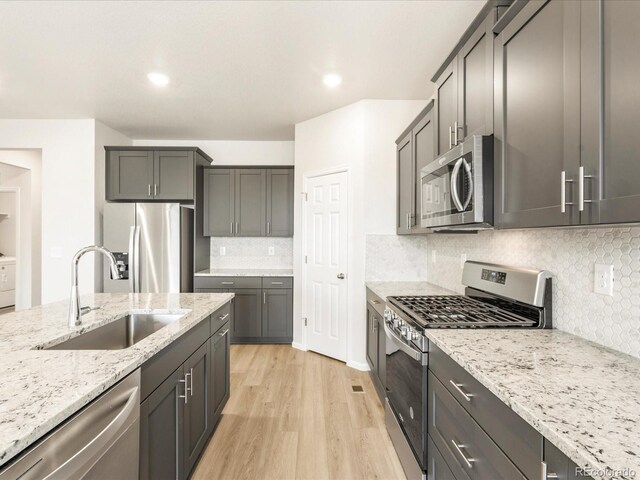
(68,195)
(235,152)
(362,137)
(22,169)
(103,136)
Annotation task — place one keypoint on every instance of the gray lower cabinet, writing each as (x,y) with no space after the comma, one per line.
(376,343)
(262,308)
(152,174)
(437,468)
(559,466)
(277,313)
(219,381)
(161,427)
(248,202)
(184,389)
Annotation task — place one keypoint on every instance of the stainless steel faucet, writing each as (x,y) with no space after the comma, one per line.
(75,311)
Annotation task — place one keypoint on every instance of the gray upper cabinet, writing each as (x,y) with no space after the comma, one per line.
(405,185)
(537,116)
(414,149)
(173,174)
(129,175)
(464,85)
(248,202)
(152,174)
(447,107)
(279,202)
(610,105)
(250,214)
(219,202)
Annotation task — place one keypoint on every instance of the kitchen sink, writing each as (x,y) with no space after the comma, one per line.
(119,334)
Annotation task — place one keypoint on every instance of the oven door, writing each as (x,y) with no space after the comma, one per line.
(407,391)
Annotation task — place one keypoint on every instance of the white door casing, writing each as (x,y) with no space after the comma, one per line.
(326,246)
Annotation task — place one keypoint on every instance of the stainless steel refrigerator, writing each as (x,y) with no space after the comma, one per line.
(153,246)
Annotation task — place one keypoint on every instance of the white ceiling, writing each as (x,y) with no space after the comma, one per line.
(239,70)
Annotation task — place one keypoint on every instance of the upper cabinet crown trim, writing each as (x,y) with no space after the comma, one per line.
(198,150)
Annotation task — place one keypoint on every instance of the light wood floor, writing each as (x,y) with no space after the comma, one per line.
(294,415)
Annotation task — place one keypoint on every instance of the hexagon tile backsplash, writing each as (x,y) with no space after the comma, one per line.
(570,255)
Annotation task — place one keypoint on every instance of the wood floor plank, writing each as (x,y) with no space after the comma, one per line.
(294,415)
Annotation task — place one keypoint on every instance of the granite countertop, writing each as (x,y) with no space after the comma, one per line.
(582,397)
(246,272)
(389,289)
(41,388)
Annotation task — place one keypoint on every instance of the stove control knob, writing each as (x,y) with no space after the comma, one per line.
(416,335)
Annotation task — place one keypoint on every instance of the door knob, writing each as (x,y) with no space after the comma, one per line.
(341,276)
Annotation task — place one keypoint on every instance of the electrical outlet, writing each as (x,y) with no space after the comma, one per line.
(223,251)
(603,279)
(272,251)
(434,257)
(463,260)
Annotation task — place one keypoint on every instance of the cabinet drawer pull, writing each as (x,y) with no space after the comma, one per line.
(457,386)
(467,460)
(264,298)
(228,283)
(224,316)
(277,283)
(224,333)
(375,302)
(186,388)
(191,381)
(546,474)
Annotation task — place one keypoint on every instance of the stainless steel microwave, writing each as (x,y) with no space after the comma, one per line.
(457,188)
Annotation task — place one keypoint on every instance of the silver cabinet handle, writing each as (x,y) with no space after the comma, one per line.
(224,333)
(186,388)
(277,283)
(563,191)
(450,137)
(223,316)
(340,276)
(581,200)
(228,283)
(467,460)
(264,297)
(455,133)
(236,228)
(375,302)
(457,386)
(148,190)
(191,380)
(268,228)
(546,474)
(231,230)
(155,189)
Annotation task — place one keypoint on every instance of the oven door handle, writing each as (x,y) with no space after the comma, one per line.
(417,355)
(454,185)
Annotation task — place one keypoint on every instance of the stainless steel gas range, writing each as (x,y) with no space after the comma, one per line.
(496,296)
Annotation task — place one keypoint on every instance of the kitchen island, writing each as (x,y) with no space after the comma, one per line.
(41,388)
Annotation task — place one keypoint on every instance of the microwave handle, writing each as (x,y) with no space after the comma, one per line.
(467,171)
(454,185)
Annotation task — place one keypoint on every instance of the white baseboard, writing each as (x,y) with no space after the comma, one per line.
(299,346)
(358,365)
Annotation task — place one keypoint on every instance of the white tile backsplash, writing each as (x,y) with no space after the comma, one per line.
(395,258)
(251,252)
(570,255)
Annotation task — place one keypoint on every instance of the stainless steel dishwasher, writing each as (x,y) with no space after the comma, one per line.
(100,442)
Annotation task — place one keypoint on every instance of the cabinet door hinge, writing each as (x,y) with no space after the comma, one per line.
(305,259)
(304,196)
(305,321)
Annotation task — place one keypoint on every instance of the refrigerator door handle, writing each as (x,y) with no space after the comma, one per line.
(132,259)
(136,265)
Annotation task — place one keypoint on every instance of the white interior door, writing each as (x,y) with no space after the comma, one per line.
(326,239)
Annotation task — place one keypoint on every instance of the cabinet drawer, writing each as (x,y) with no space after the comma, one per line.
(227,282)
(438,468)
(220,317)
(277,282)
(376,302)
(467,449)
(521,442)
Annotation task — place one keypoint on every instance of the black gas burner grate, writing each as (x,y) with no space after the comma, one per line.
(457,311)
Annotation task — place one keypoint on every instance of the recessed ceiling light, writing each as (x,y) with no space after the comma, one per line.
(159,79)
(332,80)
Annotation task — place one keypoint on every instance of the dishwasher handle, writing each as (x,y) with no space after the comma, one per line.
(94,448)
